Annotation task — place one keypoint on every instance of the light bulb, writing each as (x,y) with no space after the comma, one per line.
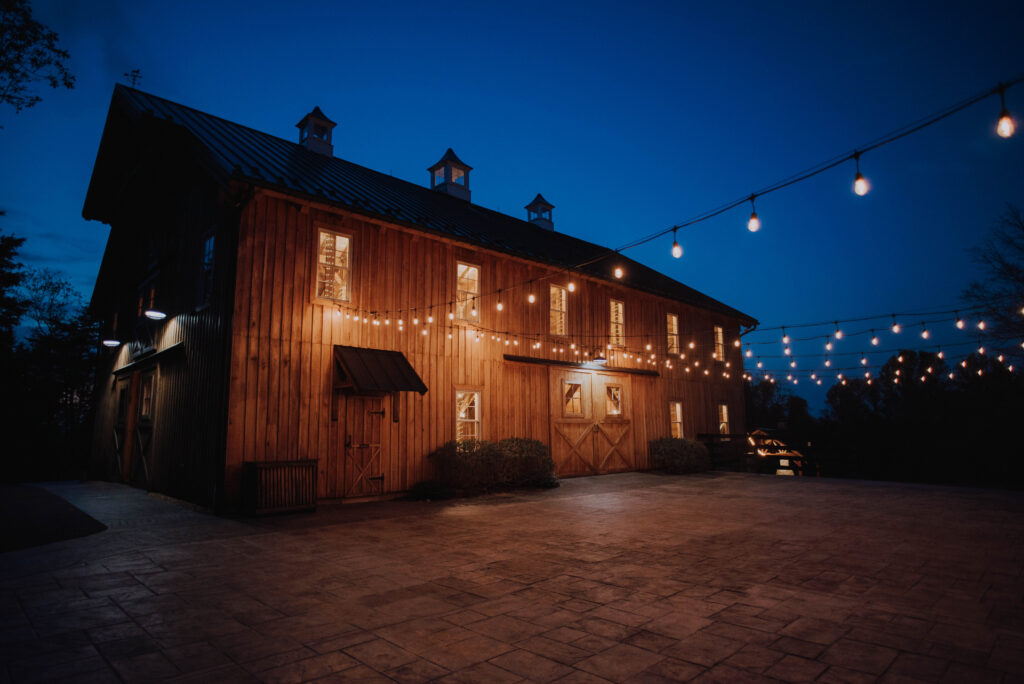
(860,184)
(531,298)
(450,315)
(839,334)
(618,272)
(896,328)
(787,351)
(760,364)
(900,358)
(754,224)
(941,355)
(572,287)
(785,337)
(828,344)
(430,319)
(981,325)
(981,350)
(874,338)
(749,352)
(819,382)
(792,364)
(924,333)
(828,363)
(863,360)
(472,312)
(500,306)
(960,323)
(677,250)
(1005,127)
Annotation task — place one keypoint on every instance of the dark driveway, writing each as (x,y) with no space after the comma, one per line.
(625,578)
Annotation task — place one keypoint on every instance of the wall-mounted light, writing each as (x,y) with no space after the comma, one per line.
(111,342)
(155,314)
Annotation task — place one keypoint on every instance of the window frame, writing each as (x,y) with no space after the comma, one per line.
(607,397)
(616,340)
(460,307)
(565,411)
(564,312)
(723,423)
(477,421)
(317,264)
(675,417)
(719,342)
(672,333)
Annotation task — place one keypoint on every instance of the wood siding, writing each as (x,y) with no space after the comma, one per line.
(281,405)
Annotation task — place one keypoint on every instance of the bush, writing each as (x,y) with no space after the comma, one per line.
(673,455)
(473,466)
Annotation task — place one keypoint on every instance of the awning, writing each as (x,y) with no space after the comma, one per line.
(374,371)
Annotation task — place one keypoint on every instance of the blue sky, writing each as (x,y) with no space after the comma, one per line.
(628,117)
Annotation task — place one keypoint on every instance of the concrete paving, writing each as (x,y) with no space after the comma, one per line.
(624,578)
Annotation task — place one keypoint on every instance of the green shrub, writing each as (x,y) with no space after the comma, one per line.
(673,455)
(475,466)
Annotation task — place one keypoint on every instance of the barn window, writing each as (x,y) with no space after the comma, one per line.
(206,271)
(613,400)
(458,176)
(439,176)
(675,418)
(146,405)
(334,266)
(467,415)
(617,331)
(573,398)
(672,327)
(723,419)
(559,309)
(719,343)
(467,291)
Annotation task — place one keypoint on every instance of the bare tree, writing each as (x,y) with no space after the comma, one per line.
(1001,293)
(28,53)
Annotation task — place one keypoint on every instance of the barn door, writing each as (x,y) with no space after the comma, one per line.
(364,448)
(124,425)
(613,437)
(572,423)
(142,452)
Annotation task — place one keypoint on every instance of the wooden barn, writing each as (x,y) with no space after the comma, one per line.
(273,311)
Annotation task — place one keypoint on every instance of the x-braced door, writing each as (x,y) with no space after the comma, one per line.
(364,447)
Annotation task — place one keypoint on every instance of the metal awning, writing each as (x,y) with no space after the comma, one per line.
(374,371)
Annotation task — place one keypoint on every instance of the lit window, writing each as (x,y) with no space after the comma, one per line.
(458,176)
(719,343)
(467,415)
(617,332)
(573,395)
(675,417)
(723,419)
(467,290)
(334,271)
(439,176)
(672,326)
(559,309)
(613,400)
(206,271)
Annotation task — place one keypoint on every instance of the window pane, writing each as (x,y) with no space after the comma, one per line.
(675,412)
(723,419)
(719,343)
(332,278)
(467,284)
(617,335)
(573,399)
(467,417)
(613,400)
(559,307)
(672,327)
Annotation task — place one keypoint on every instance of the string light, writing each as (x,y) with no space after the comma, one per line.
(500,305)
(959,321)
(677,251)
(571,287)
(860,183)
(924,332)
(863,360)
(874,338)
(895,325)
(1005,127)
(828,344)
(754,224)
(785,337)
(981,325)
(618,272)
(838,333)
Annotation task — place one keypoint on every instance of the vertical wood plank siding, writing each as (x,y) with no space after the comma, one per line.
(281,404)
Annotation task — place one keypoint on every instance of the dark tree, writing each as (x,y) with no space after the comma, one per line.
(28,54)
(12,306)
(1001,294)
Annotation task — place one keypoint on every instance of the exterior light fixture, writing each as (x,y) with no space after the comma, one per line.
(838,333)
(619,272)
(1005,127)
(860,183)
(754,224)
(924,332)
(785,337)
(677,251)
(959,321)
(874,338)
(155,315)
(111,342)
(895,325)
(571,287)
(500,305)
(531,298)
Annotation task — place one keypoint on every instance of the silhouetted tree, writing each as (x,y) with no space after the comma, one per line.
(1001,294)
(28,53)
(12,306)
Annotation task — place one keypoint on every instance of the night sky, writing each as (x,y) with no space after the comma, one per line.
(629,117)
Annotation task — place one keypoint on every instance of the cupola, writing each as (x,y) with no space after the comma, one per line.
(315,132)
(451,175)
(538,212)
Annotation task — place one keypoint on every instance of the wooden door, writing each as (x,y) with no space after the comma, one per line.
(572,423)
(365,450)
(613,424)
(124,425)
(140,465)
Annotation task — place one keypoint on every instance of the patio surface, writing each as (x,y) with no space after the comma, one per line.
(634,577)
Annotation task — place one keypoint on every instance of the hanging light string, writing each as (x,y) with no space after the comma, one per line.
(754,224)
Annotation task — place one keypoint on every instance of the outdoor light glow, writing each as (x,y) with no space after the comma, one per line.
(863,360)
(531,298)
(924,333)
(785,337)
(828,344)
(981,350)
(760,364)
(500,306)
(1005,127)
(896,328)
(450,315)
(736,343)
(677,251)
(792,364)
(571,287)
(981,325)
(749,352)
(838,333)
(860,184)
(874,338)
(828,363)
(754,224)
(787,351)
(959,322)
(618,272)
(111,343)
(900,358)
(154,315)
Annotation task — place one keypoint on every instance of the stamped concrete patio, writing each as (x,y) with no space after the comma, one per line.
(633,577)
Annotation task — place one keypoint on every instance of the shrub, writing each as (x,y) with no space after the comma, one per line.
(475,466)
(673,455)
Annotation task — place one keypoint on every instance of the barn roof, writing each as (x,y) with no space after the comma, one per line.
(237,152)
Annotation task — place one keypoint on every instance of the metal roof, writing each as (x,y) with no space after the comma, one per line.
(372,371)
(248,155)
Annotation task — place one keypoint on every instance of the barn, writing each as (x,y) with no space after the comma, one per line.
(268,307)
